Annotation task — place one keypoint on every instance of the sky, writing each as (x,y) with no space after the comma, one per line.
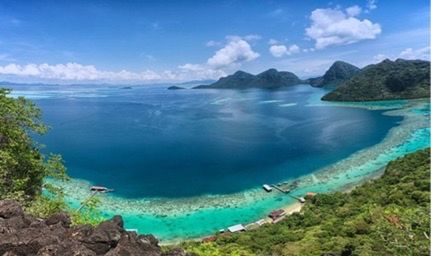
(174,41)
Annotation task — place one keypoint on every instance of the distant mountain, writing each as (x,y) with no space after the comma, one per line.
(174,87)
(400,79)
(339,72)
(5,83)
(270,79)
(197,82)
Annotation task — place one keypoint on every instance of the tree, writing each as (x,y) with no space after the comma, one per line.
(22,166)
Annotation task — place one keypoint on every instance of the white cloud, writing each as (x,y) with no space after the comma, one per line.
(278,50)
(213,43)
(273,41)
(198,71)
(235,52)
(379,57)
(281,50)
(293,49)
(74,71)
(411,54)
(338,27)
(353,11)
(78,72)
(252,37)
(371,5)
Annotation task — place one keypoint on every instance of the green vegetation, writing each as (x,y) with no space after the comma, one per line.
(400,79)
(23,168)
(386,216)
(339,72)
(269,79)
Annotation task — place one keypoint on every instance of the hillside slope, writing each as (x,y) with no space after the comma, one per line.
(387,216)
(339,72)
(269,79)
(388,80)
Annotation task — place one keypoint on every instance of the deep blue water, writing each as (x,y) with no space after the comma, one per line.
(150,141)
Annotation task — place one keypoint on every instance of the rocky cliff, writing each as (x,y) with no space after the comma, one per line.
(22,234)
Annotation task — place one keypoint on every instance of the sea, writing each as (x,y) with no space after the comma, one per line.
(186,163)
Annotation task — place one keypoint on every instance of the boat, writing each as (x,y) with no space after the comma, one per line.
(267,187)
(100,189)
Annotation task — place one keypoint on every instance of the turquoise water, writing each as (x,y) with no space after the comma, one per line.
(187,163)
(158,143)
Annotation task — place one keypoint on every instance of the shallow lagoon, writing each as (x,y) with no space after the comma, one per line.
(187,163)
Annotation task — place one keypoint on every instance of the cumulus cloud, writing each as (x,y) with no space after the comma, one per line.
(198,71)
(411,54)
(273,41)
(280,50)
(338,27)
(236,51)
(74,71)
(213,43)
(379,57)
(252,37)
(371,5)
(78,72)
(353,11)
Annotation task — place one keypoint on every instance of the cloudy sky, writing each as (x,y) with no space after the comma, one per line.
(168,41)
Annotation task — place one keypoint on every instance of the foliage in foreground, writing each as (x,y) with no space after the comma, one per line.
(23,168)
(387,216)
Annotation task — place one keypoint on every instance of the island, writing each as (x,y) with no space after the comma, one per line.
(174,87)
(269,79)
(387,80)
(339,72)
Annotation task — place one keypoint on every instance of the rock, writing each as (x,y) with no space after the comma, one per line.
(21,234)
(118,220)
(68,248)
(148,239)
(60,217)
(105,236)
(9,208)
(16,222)
(129,244)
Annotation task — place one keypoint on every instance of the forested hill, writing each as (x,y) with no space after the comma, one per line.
(269,79)
(387,216)
(387,80)
(338,73)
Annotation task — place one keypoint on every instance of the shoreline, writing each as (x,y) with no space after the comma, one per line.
(147,215)
(289,209)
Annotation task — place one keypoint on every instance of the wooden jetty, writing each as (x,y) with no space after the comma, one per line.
(285,191)
(94,190)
